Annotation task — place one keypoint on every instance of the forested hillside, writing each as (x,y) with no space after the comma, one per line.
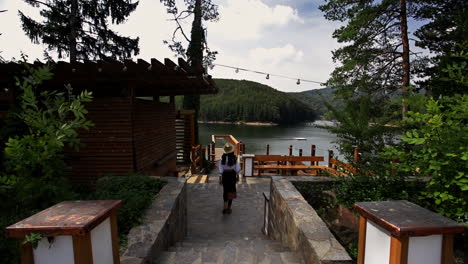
(248,101)
(315,99)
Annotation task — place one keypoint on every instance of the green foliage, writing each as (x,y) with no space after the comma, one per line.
(373,188)
(445,33)
(36,160)
(313,193)
(357,126)
(32,238)
(84,33)
(371,58)
(136,192)
(247,101)
(436,146)
(34,175)
(315,99)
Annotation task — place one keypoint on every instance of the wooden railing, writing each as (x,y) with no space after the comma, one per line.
(287,164)
(196,158)
(239,147)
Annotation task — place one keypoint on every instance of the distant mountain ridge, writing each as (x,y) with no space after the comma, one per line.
(247,101)
(315,99)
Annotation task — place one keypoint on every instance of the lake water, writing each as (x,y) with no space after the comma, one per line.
(256,138)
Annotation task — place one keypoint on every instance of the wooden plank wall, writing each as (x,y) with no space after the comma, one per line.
(185,139)
(109,148)
(154,136)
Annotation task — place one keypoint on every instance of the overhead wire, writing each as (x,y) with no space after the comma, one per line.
(237,69)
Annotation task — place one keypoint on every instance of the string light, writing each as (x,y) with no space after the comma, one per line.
(237,69)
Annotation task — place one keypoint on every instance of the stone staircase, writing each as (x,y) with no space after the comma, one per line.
(235,238)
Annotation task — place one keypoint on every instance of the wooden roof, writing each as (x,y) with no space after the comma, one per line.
(144,78)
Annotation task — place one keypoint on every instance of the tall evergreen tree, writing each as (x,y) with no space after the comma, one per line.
(197,52)
(446,33)
(377,58)
(80,28)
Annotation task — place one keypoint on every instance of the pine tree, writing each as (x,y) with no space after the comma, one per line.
(79,28)
(377,58)
(444,35)
(197,52)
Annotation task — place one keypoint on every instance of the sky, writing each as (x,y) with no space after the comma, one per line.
(283,37)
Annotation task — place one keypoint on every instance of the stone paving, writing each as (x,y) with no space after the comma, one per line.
(235,238)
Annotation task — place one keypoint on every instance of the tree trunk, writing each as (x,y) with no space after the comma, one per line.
(73,34)
(406,58)
(195,57)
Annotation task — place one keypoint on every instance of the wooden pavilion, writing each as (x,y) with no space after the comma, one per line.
(134,130)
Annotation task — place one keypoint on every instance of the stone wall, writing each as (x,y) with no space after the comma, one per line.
(164,223)
(293,222)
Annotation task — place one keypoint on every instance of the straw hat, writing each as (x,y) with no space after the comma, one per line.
(228,148)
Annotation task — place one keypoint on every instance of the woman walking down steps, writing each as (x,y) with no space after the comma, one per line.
(229,170)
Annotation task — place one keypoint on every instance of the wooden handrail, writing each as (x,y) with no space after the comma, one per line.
(231,139)
(196,158)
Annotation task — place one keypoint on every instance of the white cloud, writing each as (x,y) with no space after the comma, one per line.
(246,19)
(275,56)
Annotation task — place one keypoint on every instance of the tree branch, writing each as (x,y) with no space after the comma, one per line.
(40,2)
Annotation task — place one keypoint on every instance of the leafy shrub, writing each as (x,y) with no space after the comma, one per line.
(313,194)
(32,141)
(436,146)
(136,192)
(371,188)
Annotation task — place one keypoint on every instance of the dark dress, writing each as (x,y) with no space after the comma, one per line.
(229,184)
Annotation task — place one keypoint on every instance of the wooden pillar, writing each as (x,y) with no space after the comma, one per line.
(356,155)
(447,249)
(26,250)
(83,251)
(213,152)
(399,250)
(268,149)
(362,240)
(330,157)
(312,153)
(192,160)
(115,237)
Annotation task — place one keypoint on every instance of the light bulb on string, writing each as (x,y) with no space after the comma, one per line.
(298,81)
(237,70)
(267,76)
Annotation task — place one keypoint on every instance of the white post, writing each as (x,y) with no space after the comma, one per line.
(248,164)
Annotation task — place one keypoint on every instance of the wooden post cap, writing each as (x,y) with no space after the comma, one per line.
(66,218)
(403,218)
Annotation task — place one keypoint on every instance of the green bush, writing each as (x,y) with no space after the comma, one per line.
(436,147)
(136,192)
(371,188)
(313,194)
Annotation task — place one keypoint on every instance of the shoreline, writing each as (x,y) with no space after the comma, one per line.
(239,123)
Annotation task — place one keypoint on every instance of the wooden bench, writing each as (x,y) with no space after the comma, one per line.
(314,168)
(287,163)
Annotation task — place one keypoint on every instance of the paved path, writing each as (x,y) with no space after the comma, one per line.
(235,238)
